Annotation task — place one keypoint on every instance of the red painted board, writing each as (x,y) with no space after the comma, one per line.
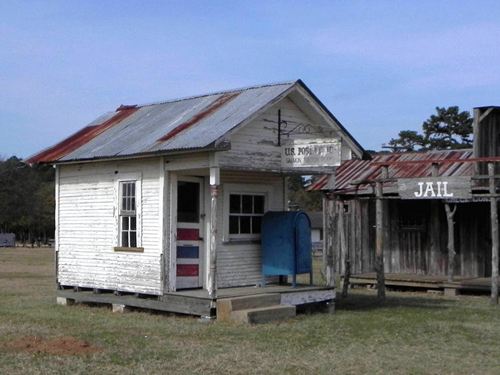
(188,234)
(187,270)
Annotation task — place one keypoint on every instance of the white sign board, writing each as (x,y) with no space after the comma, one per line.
(457,187)
(311,153)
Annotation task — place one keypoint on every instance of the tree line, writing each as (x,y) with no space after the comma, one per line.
(27,201)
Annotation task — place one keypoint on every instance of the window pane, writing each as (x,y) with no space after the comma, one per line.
(235,204)
(233,225)
(256,224)
(133,239)
(124,239)
(188,202)
(245,224)
(132,223)
(246,204)
(258,204)
(128,196)
(125,223)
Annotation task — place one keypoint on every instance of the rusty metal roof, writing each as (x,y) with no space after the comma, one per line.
(400,165)
(198,122)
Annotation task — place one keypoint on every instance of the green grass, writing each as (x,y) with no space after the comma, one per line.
(411,333)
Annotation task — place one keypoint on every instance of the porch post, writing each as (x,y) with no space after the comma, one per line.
(343,250)
(435,230)
(330,245)
(379,234)
(494,234)
(451,239)
(214,194)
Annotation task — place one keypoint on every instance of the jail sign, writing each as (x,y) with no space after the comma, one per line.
(311,153)
(458,187)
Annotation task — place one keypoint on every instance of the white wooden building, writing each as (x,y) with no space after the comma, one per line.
(163,199)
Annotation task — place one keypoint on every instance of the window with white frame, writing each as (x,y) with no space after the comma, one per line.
(245,215)
(128,214)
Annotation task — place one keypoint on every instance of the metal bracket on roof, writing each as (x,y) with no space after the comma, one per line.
(289,127)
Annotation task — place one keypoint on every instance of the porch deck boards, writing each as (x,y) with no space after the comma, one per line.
(197,301)
(479,284)
(249,290)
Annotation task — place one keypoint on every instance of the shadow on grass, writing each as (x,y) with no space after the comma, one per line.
(357,302)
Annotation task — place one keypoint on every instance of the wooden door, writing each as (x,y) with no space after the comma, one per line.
(412,232)
(189,242)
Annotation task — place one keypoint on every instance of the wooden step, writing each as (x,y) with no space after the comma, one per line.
(226,306)
(264,314)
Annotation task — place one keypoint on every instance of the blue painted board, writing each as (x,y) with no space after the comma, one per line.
(191,252)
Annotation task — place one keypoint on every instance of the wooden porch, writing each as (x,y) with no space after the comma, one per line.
(430,283)
(196,301)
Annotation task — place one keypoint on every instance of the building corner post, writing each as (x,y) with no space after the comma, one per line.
(56,223)
(494,233)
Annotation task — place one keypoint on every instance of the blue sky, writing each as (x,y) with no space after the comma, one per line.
(379,66)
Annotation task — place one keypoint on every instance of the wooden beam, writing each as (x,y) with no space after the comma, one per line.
(494,235)
(214,194)
(475,139)
(343,247)
(172,231)
(163,219)
(379,233)
(451,239)
(169,302)
(439,161)
(324,209)
(330,245)
(56,217)
(485,114)
(435,233)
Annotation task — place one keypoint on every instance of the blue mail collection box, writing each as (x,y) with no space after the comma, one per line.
(286,243)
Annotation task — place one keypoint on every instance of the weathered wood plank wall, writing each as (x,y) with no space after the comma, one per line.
(413,245)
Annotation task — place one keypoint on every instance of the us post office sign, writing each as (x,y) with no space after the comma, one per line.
(311,153)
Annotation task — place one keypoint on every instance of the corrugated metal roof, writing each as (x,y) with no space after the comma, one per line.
(400,165)
(197,122)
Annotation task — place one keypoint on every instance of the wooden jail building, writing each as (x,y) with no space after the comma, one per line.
(436,227)
(160,205)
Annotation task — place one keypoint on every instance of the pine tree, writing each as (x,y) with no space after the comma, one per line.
(447,129)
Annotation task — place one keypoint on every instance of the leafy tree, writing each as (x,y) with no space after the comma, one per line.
(447,129)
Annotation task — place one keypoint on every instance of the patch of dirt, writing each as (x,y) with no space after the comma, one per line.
(57,346)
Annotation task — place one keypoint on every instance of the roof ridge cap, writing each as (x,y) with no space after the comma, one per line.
(220,92)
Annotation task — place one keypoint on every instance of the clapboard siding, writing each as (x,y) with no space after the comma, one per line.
(255,145)
(240,264)
(88,233)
